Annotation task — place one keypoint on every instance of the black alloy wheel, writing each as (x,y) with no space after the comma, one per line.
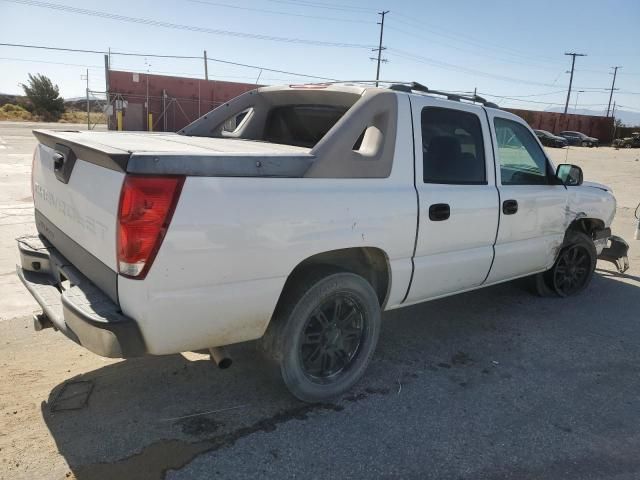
(572,270)
(324,332)
(331,337)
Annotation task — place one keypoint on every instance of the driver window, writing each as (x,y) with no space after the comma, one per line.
(522,161)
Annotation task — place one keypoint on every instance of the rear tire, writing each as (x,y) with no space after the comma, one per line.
(324,333)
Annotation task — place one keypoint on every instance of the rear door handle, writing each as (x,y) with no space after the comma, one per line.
(439,212)
(509,207)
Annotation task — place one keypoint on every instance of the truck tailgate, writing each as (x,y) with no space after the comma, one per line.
(76,203)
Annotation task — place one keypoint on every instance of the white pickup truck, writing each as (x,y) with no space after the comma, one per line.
(295,215)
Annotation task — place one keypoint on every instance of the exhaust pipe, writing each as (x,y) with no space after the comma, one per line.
(220,357)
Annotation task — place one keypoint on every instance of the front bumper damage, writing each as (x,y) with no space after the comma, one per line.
(616,252)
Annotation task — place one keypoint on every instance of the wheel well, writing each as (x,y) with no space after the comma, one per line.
(586,225)
(368,262)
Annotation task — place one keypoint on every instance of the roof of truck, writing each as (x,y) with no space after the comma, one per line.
(358,87)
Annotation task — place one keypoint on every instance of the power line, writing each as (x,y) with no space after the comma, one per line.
(26,60)
(634,109)
(535,101)
(275,12)
(153,55)
(178,26)
(458,68)
(327,6)
(77,50)
(454,47)
(534,94)
(420,25)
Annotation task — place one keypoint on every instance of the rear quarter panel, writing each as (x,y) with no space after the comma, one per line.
(233,242)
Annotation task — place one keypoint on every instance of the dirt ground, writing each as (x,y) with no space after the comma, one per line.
(491,384)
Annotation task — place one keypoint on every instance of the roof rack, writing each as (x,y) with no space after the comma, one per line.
(418,87)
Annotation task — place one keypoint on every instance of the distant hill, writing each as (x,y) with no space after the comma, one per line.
(630,119)
(71,104)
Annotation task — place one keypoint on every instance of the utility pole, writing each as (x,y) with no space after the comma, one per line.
(86,77)
(573,64)
(106,92)
(146,102)
(575,107)
(380,47)
(613,84)
(106,75)
(206,66)
(613,115)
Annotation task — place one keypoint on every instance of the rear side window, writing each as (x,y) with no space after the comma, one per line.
(301,125)
(522,161)
(452,147)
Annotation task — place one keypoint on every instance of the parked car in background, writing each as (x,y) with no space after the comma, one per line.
(580,139)
(548,139)
(628,142)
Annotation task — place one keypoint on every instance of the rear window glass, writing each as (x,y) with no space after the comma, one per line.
(301,125)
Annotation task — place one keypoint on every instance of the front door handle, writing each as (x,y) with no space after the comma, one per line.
(439,212)
(509,207)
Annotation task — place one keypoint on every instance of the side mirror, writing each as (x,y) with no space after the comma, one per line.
(569,175)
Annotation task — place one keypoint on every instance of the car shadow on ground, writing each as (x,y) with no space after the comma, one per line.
(146,416)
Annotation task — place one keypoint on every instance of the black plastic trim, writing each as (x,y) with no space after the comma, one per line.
(84,314)
(98,155)
(104,277)
(601,233)
(293,166)
(117,337)
(415,189)
(63,162)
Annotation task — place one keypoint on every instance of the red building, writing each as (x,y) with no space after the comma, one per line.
(171,102)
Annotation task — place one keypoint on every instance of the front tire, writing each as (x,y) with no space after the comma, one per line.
(573,269)
(586,144)
(324,333)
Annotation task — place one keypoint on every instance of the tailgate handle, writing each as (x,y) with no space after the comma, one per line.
(58,161)
(63,161)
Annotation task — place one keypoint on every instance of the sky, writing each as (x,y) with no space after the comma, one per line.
(511,51)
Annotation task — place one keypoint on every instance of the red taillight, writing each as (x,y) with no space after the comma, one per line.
(146,208)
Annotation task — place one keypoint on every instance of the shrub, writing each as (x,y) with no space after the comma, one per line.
(44,97)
